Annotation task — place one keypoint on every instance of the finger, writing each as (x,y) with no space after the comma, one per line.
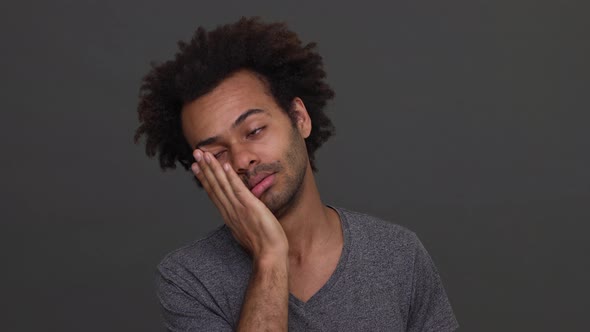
(223,182)
(199,174)
(240,190)
(198,171)
(211,184)
(207,168)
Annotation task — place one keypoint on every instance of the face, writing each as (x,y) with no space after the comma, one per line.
(240,123)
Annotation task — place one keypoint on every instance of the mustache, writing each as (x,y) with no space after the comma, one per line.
(262,168)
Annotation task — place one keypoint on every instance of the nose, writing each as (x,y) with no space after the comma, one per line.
(243,159)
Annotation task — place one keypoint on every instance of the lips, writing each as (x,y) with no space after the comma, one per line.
(253,181)
(261,183)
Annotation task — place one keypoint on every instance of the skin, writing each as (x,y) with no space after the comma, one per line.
(294,239)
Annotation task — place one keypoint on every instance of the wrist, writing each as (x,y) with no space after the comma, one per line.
(271,260)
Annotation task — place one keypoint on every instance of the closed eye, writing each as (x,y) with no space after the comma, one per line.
(218,154)
(255,131)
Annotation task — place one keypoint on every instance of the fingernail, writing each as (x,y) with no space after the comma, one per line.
(207,158)
(195,168)
(198,155)
(226,167)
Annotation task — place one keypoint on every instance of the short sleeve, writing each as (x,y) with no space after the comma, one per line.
(430,309)
(185,308)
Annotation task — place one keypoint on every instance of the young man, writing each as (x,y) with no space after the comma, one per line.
(242,107)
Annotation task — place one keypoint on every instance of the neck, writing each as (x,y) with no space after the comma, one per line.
(308,224)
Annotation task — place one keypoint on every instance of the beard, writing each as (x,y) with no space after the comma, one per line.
(290,176)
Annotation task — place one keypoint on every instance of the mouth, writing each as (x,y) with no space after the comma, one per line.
(261,183)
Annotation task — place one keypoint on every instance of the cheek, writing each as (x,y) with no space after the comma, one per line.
(295,153)
(274,146)
(272,153)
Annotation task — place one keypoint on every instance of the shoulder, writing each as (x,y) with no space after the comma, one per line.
(216,249)
(207,276)
(372,229)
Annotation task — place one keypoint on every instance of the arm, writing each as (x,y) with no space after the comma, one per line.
(265,306)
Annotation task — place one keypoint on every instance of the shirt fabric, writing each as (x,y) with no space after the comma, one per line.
(384,281)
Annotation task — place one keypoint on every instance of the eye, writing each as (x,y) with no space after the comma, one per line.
(255,131)
(219,154)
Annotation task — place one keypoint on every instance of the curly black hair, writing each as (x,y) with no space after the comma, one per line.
(271,51)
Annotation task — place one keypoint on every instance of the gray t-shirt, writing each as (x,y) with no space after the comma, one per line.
(384,281)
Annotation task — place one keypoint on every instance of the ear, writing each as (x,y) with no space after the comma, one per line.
(302,120)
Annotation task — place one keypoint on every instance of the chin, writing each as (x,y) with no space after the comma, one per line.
(279,202)
(271,203)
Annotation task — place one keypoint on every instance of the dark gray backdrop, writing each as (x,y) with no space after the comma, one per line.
(466,121)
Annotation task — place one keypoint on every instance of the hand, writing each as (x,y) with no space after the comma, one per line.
(250,221)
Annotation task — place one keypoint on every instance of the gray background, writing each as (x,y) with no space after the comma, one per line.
(465,121)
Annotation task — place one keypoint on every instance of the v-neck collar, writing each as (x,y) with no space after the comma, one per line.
(317,297)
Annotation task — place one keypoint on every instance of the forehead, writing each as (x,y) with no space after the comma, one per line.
(214,112)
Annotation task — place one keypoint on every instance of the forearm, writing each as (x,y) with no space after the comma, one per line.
(255,227)
(265,306)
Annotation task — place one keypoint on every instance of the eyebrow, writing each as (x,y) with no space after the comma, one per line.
(239,120)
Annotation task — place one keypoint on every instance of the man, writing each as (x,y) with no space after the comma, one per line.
(242,106)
